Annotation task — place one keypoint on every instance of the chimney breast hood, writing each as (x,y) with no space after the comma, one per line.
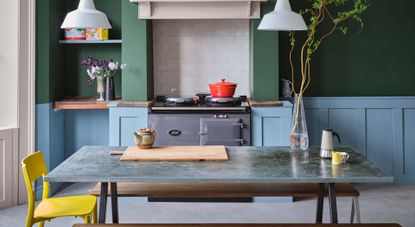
(198,9)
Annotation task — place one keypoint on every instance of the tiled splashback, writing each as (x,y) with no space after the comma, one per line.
(190,54)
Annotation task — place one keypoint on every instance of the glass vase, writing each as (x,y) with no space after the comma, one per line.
(299,135)
(100,87)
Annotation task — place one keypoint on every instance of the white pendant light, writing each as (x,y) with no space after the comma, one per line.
(86,16)
(282,19)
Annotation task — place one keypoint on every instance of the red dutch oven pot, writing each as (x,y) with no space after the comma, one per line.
(222,89)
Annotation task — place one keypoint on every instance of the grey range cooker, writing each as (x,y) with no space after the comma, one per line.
(201,120)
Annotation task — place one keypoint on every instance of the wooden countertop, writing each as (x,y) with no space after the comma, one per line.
(254,103)
(92,103)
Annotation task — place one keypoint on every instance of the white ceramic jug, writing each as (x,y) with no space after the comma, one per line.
(327,142)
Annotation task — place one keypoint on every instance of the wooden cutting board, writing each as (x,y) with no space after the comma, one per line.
(176,154)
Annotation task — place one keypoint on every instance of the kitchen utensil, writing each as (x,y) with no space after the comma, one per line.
(339,158)
(176,154)
(286,88)
(222,89)
(144,138)
(327,142)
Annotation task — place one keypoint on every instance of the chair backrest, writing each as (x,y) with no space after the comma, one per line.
(33,167)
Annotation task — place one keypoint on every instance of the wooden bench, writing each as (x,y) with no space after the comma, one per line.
(237,225)
(200,190)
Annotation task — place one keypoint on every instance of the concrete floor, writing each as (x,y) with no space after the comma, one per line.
(378,203)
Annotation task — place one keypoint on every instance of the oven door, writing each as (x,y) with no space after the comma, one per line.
(175,129)
(220,131)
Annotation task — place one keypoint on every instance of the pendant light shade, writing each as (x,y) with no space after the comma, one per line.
(86,16)
(282,19)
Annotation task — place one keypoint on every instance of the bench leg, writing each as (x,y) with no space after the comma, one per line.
(333,204)
(357,208)
(352,213)
(114,202)
(103,202)
(320,202)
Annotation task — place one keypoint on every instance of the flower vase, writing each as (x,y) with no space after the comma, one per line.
(110,89)
(299,135)
(100,87)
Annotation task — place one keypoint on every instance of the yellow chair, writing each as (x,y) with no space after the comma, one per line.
(83,206)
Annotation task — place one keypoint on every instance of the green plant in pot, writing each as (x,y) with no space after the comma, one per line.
(324,17)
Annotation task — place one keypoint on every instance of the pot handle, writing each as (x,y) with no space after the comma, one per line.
(137,135)
(335,134)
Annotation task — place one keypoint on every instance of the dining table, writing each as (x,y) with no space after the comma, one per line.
(245,165)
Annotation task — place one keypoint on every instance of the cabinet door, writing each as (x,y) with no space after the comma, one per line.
(271,126)
(123,122)
(215,131)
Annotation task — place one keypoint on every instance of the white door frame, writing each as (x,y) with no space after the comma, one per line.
(26,90)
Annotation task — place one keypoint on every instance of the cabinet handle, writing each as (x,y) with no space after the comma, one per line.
(220,116)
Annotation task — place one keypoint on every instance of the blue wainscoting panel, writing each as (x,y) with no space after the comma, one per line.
(49,134)
(317,121)
(123,122)
(343,121)
(49,137)
(85,128)
(380,138)
(383,128)
(271,125)
(409,141)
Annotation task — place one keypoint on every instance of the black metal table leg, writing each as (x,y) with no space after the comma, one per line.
(103,202)
(333,204)
(114,202)
(320,203)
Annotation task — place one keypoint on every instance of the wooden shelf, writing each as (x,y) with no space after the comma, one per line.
(77,103)
(111,41)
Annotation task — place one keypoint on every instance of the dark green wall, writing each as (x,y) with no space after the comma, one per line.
(379,61)
(58,72)
(264,78)
(137,52)
(48,52)
(75,75)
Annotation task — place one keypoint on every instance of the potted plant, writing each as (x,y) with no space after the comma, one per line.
(322,15)
(103,72)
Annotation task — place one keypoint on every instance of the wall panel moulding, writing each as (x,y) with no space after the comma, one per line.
(198,9)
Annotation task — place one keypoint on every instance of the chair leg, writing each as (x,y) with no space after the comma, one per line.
(42,223)
(29,223)
(94,215)
(357,208)
(86,219)
(352,213)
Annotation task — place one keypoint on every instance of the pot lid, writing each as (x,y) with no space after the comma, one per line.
(223,83)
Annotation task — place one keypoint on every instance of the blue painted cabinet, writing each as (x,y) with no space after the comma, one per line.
(271,125)
(123,122)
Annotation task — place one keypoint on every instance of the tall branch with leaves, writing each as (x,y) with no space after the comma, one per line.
(319,14)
